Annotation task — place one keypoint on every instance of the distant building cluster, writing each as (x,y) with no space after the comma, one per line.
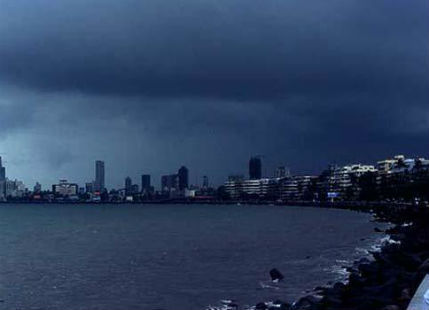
(173,186)
(176,184)
(10,188)
(393,179)
(398,178)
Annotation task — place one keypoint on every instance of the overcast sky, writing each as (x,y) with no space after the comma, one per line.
(151,85)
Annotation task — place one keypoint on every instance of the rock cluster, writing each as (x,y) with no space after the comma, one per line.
(389,281)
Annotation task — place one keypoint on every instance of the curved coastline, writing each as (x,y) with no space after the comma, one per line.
(390,279)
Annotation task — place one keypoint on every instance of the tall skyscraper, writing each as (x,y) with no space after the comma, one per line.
(99,184)
(128,185)
(183,178)
(2,171)
(255,168)
(146,183)
(2,180)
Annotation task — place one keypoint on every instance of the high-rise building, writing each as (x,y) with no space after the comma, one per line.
(205,182)
(169,182)
(99,184)
(183,178)
(255,168)
(2,180)
(128,185)
(146,188)
(2,171)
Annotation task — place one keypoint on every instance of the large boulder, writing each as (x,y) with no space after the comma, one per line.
(369,270)
(261,306)
(307,303)
(276,275)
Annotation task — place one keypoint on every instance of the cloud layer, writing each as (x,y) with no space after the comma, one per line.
(150,85)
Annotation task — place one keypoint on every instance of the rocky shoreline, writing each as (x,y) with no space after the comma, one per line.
(390,280)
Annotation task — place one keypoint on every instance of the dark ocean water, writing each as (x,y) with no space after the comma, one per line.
(170,256)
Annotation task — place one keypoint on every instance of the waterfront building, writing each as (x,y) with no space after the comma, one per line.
(65,189)
(2,171)
(421,164)
(348,178)
(233,187)
(14,188)
(255,168)
(99,184)
(306,187)
(385,166)
(251,187)
(2,181)
(265,188)
(128,186)
(389,171)
(189,193)
(169,183)
(89,187)
(183,175)
(288,189)
(402,177)
(297,188)
(146,187)
(328,183)
(269,188)
(134,189)
(343,182)
(399,164)
(37,188)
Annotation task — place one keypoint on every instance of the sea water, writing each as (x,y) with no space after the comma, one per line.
(171,256)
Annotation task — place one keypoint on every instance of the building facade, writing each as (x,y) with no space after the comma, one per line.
(169,183)
(255,168)
(183,175)
(146,186)
(2,181)
(99,184)
(65,189)
(128,186)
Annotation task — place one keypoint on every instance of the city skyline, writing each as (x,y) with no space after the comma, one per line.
(303,84)
(180,181)
(397,177)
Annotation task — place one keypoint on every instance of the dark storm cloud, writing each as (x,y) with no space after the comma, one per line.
(234,49)
(14,114)
(156,84)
